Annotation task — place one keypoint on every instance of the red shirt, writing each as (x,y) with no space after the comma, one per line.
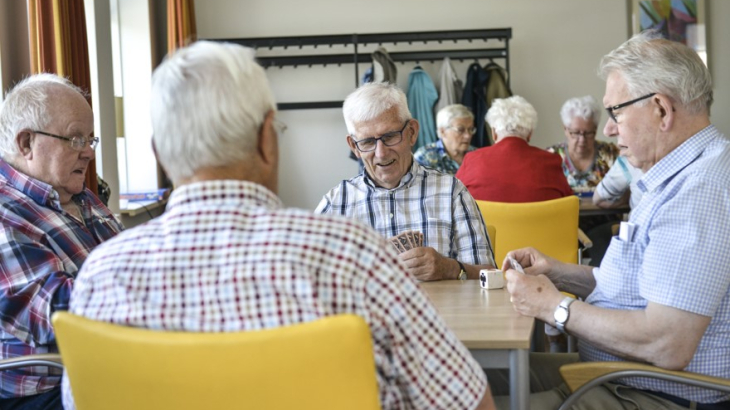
(513,171)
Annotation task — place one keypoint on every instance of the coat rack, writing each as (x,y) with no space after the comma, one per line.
(355,57)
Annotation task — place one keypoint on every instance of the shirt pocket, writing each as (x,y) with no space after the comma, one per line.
(438,235)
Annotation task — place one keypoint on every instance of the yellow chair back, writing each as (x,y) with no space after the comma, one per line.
(549,226)
(324,364)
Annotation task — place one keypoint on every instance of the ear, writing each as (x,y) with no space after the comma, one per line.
(441,132)
(529,136)
(495,136)
(353,147)
(665,110)
(267,147)
(415,126)
(24,143)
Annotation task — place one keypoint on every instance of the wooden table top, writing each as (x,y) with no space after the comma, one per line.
(588,209)
(480,318)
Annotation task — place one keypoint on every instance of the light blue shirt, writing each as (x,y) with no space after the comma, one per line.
(678,256)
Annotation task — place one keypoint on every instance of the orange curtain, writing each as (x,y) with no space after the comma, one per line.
(58,45)
(180,24)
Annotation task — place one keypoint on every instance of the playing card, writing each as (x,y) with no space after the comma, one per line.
(404,242)
(411,238)
(394,240)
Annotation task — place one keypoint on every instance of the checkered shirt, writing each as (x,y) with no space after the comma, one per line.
(226,257)
(436,204)
(41,249)
(678,256)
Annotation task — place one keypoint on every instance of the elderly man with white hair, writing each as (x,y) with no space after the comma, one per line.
(236,260)
(511,170)
(49,224)
(396,195)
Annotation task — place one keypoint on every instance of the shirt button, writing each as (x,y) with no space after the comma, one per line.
(391,216)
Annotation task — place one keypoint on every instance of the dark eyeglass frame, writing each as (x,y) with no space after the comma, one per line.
(77,143)
(470,131)
(611,109)
(584,134)
(374,141)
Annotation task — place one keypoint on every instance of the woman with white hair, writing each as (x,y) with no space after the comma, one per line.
(585,160)
(455,125)
(511,170)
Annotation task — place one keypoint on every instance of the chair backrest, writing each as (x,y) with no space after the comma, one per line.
(323,364)
(492,232)
(550,226)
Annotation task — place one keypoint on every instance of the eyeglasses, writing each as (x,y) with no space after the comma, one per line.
(462,131)
(584,134)
(77,143)
(389,139)
(610,110)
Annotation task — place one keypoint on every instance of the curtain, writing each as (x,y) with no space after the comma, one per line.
(58,45)
(180,24)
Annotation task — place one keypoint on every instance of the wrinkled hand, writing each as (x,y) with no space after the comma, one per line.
(532,295)
(426,264)
(533,261)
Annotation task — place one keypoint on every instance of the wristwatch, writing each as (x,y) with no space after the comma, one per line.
(462,272)
(562,313)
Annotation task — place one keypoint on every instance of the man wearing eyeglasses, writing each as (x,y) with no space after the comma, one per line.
(395,194)
(662,292)
(49,224)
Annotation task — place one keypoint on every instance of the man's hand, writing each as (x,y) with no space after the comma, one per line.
(426,264)
(533,296)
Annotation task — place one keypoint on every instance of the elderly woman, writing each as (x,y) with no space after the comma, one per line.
(455,125)
(585,160)
(511,170)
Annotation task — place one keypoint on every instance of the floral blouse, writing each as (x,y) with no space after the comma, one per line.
(434,156)
(581,182)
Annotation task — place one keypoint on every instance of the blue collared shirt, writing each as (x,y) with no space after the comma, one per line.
(678,256)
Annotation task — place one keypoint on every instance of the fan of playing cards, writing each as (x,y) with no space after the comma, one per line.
(407,240)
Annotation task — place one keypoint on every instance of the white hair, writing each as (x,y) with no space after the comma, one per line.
(512,116)
(581,107)
(26,106)
(651,64)
(208,103)
(370,101)
(451,112)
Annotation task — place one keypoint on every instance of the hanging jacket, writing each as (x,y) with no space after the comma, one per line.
(384,69)
(496,88)
(450,87)
(422,96)
(475,97)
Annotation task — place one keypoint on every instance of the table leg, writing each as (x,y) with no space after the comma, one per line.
(519,379)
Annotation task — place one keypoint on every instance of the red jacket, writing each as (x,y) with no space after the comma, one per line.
(513,171)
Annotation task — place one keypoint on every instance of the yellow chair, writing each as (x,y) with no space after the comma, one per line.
(492,232)
(550,226)
(324,364)
(583,376)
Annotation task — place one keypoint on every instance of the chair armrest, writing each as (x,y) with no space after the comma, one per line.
(584,240)
(583,376)
(45,359)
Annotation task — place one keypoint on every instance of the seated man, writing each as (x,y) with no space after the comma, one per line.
(48,225)
(396,195)
(662,292)
(228,250)
(511,170)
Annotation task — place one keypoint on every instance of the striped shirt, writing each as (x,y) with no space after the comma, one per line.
(678,256)
(41,249)
(226,257)
(435,204)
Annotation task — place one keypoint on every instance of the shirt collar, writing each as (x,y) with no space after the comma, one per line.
(39,191)
(234,192)
(678,159)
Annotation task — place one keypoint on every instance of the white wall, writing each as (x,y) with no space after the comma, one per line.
(555,50)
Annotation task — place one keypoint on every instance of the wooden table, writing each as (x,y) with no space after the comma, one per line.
(588,209)
(489,327)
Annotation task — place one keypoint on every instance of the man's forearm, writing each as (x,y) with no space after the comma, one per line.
(575,279)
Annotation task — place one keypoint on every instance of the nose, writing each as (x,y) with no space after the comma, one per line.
(380,148)
(611,128)
(87,152)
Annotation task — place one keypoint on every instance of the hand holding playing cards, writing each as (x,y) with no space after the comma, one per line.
(426,264)
(406,241)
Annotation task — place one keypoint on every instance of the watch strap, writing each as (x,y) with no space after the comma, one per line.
(462,271)
(564,305)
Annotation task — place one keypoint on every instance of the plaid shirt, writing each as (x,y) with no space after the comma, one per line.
(226,257)
(436,204)
(678,256)
(41,249)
